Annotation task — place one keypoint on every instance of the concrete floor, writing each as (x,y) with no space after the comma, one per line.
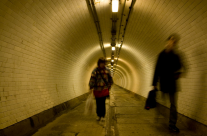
(125,116)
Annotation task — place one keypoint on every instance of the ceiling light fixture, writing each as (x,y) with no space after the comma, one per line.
(113,48)
(115,5)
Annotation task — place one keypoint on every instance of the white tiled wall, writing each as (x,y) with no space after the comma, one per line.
(47,52)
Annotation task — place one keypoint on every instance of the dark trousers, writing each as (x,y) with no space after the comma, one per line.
(173,109)
(101,106)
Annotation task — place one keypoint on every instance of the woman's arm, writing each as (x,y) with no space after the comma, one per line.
(92,81)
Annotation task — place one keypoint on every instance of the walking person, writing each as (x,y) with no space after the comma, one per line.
(167,72)
(100,83)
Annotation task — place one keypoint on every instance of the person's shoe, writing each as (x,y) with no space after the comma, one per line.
(102,119)
(98,118)
(174,128)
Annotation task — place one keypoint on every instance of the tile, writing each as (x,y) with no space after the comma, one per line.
(130,120)
(127,110)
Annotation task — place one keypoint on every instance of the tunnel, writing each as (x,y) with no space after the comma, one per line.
(48,49)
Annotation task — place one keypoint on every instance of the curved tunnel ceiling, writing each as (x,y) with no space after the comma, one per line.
(49,49)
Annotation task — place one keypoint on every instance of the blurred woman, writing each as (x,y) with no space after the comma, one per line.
(100,83)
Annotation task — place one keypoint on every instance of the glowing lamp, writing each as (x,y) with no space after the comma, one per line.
(115,5)
(113,48)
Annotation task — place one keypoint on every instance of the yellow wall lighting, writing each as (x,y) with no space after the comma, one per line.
(115,5)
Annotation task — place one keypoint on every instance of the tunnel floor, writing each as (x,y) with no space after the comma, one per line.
(125,116)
